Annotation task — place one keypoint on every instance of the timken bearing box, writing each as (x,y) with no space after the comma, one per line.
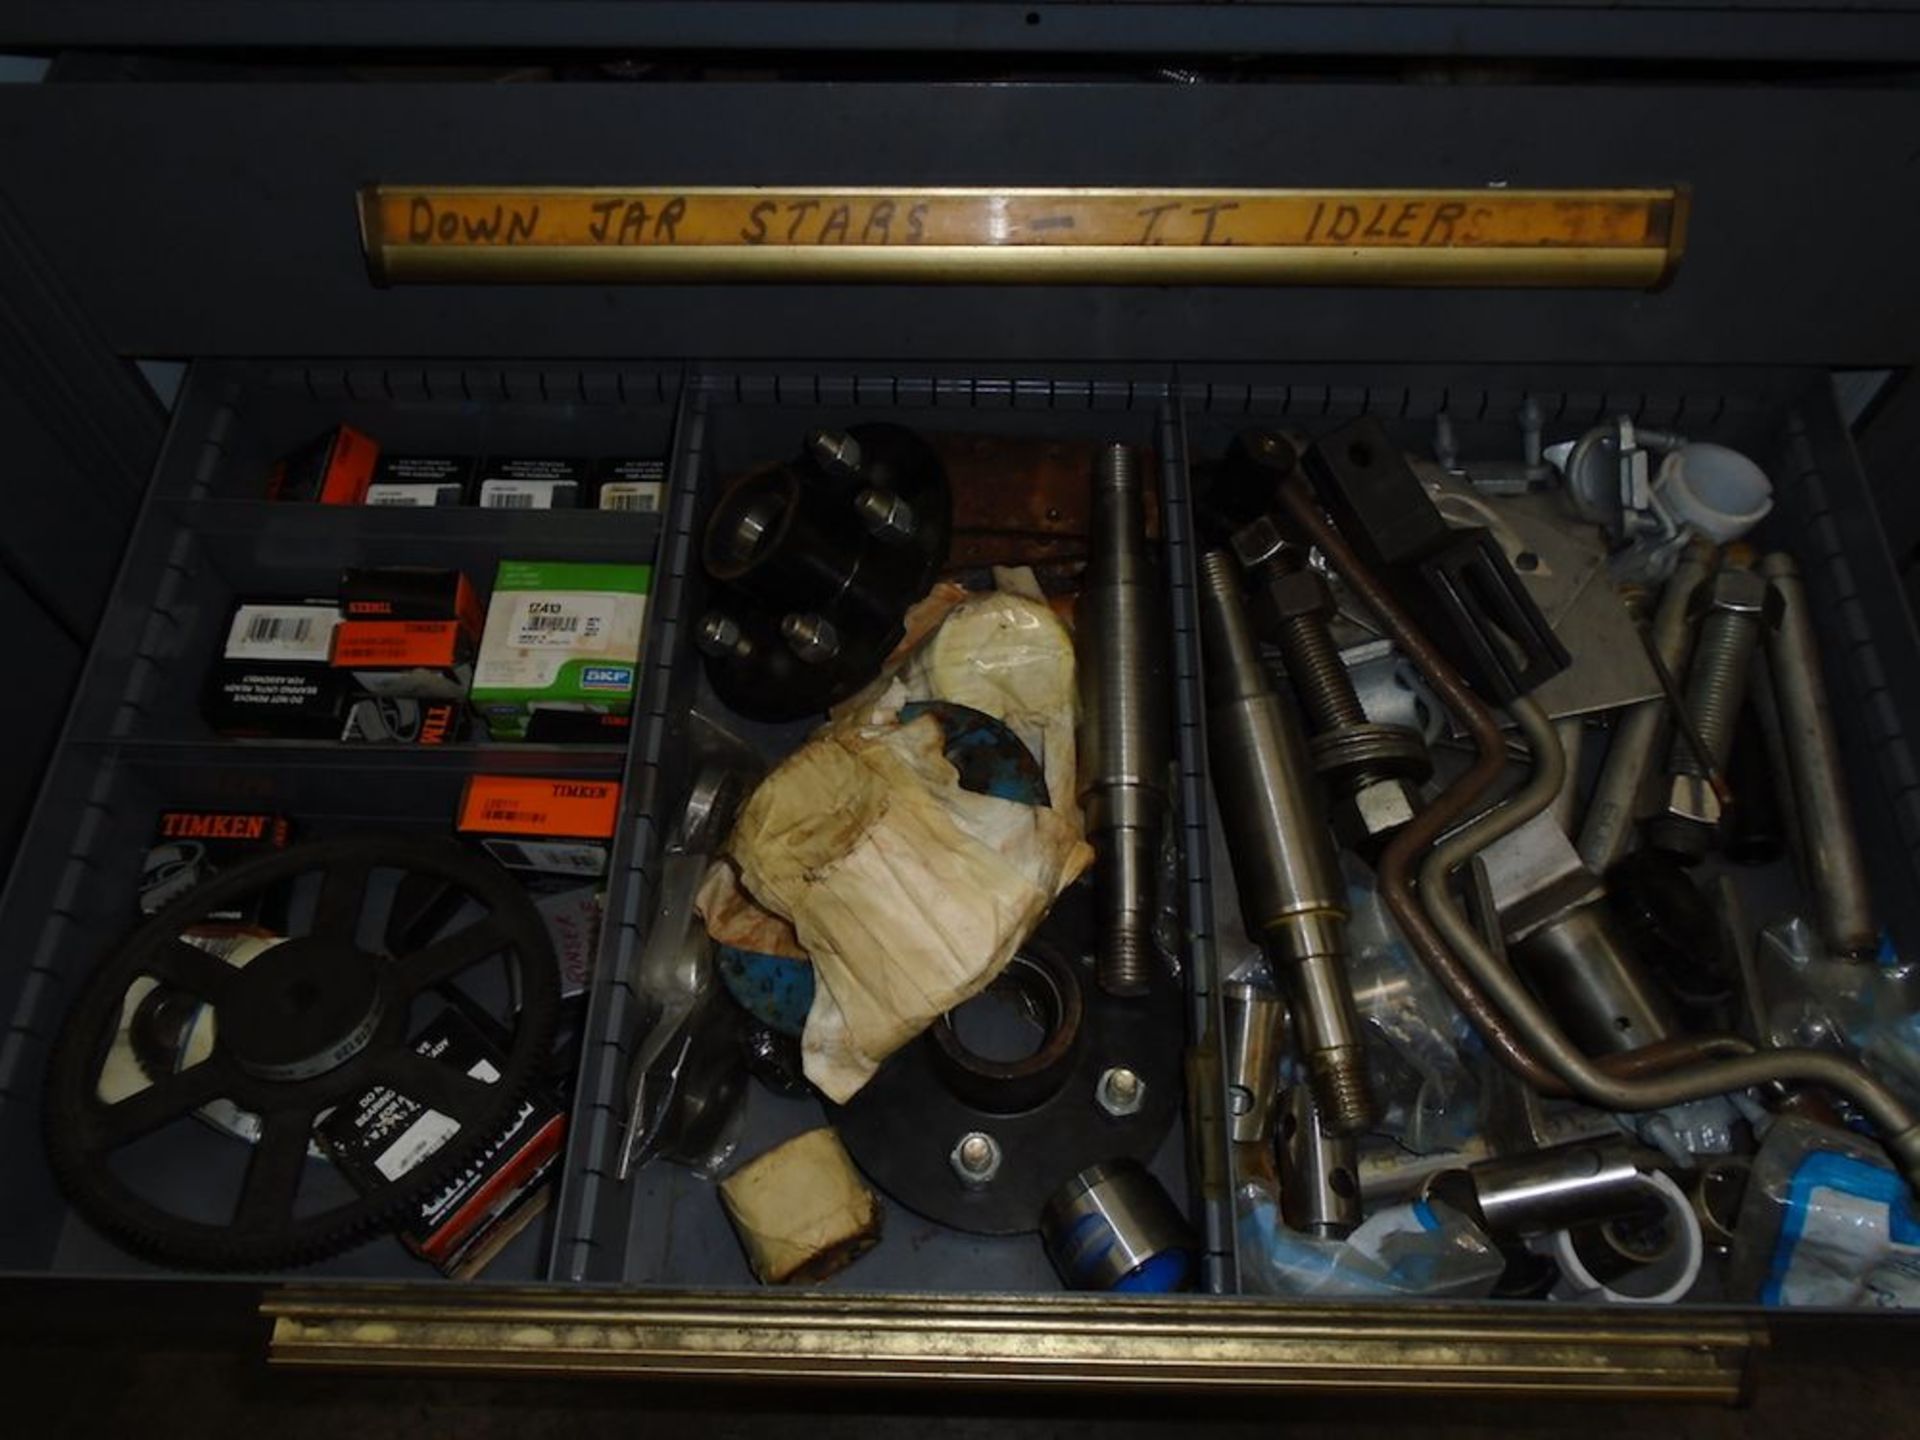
(554,827)
(559,636)
(334,468)
(191,846)
(407,633)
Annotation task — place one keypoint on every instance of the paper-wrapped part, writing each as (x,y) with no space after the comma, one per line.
(801,1210)
(733,918)
(909,893)
(1012,657)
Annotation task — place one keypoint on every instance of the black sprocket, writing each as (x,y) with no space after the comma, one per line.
(308,1026)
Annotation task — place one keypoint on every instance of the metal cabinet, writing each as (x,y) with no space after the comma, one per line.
(193,218)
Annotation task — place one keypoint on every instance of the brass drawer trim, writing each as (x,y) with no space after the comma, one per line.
(1168,1342)
(1018,235)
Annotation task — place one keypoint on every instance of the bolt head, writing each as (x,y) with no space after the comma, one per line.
(1740,592)
(1691,798)
(1271,449)
(975,1159)
(1120,1091)
(1260,540)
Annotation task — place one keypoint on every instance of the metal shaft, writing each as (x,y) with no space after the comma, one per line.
(1285,865)
(1125,743)
(1569,1185)
(1255,1023)
(1573,739)
(1607,832)
(1830,846)
(1594,984)
(1319,1173)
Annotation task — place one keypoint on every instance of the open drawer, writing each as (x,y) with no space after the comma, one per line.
(646,1275)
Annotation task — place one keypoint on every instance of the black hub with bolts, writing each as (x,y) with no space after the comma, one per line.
(307,1025)
(977,1138)
(814,563)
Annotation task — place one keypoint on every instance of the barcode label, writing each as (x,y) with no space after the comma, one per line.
(540,620)
(642,496)
(500,810)
(526,494)
(413,494)
(281,632)
(277,628)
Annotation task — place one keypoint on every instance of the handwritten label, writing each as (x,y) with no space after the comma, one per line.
(1499,236)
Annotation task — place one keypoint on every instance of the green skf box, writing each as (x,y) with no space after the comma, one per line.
(559,636)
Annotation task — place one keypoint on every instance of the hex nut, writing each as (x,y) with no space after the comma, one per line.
(975,1159)
(1120,1091)
(1381,807)
(1297,593)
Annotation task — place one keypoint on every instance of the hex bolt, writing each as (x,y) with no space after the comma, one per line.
(720,634)
(976,1159)
(1293,895)
(837,452)
(1731,608)
(1120,1091)
(1369,770)
(812,637)
(885,515)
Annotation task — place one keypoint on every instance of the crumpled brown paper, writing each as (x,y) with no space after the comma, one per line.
(909,893)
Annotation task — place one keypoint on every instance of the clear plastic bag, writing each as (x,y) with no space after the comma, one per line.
(1826,1221)
(1428,1092)
(1422,1250)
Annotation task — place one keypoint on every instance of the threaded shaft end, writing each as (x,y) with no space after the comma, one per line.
(1716,685)
(1126,956)
(1319,678)
(1119,467)
(1341,1090)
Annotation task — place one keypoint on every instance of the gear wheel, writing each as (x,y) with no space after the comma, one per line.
(307,1026)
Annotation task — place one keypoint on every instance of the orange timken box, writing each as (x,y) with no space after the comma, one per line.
(334,468)
(557,827)
(408,633)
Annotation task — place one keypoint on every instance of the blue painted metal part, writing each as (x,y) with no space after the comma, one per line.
(990,758)
(771,988)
